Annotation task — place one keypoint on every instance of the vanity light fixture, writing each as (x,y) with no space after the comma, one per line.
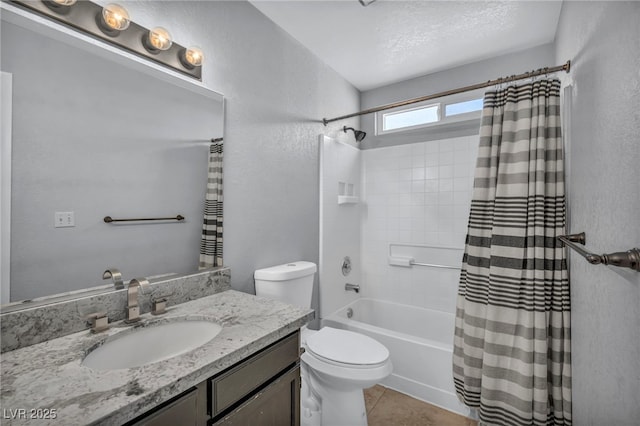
(192,57)
(157,39)
(112,24)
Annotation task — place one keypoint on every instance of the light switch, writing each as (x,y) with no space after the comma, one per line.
(64,220)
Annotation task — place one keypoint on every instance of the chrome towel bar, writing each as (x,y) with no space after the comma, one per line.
(109,219)
(629,259)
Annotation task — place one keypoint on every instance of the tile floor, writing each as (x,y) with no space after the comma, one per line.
(386,407)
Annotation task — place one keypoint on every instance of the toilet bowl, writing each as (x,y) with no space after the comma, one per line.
(336,364)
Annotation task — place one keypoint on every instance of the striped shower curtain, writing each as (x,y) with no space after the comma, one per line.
(512,358)
(211,243)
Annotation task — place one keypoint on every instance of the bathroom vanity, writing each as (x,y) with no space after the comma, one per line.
(263,389)
(250,370)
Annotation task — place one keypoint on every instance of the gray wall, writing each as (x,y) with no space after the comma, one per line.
(276,92)
(603,41)
(465,75)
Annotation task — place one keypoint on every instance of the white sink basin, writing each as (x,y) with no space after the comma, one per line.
(154,343)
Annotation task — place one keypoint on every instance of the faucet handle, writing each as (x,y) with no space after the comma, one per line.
(159,306)
(99,321)
(116,275)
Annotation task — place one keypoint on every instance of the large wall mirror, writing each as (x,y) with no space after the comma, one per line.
(96,133)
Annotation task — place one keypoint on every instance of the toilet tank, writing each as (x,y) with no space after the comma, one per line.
(290,283)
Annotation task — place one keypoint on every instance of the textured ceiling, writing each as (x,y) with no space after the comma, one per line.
(394,40)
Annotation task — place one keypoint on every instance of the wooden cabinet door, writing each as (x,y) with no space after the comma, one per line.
(276,405)
(189,409)
(243,379)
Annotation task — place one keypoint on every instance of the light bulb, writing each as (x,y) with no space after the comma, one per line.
(59,6)
(159,38)
(116,17)
(193,56)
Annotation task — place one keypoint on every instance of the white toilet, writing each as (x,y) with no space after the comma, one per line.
(337,364)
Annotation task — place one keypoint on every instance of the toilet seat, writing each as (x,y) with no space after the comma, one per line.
(346,348)
(345,376)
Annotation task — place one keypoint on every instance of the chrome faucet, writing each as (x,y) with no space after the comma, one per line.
(114,274)
(133,309)
(352,287)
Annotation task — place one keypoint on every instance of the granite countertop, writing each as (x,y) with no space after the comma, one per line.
(49,375)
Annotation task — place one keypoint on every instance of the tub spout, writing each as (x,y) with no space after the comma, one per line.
(352,287)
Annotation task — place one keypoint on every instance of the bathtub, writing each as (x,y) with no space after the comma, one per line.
(420,342)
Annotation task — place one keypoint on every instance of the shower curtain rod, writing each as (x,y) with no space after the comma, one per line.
(547,70)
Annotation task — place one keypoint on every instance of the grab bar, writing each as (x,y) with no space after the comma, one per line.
(109,219)
(433,265)
(410,261)
(629,259)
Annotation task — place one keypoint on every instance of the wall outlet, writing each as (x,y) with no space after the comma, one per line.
(64,220)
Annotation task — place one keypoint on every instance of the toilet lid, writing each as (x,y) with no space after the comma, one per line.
(346,347)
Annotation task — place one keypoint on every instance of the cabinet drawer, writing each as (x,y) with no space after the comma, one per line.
(241,380)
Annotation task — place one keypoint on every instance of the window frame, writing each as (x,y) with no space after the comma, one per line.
(443,120)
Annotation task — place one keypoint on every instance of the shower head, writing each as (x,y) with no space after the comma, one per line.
(359,134)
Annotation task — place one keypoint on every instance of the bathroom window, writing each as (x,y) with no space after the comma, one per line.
(446,110)
(463,107)
(411,117)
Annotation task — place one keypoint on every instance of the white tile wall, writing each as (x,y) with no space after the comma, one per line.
(415,194)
